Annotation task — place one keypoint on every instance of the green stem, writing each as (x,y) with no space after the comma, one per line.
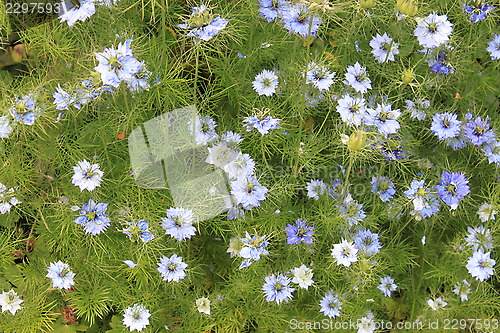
(347,173)
(195,83)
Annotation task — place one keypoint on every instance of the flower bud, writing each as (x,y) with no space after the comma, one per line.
(367,3)
(407,7)
(407,77)
(357,140)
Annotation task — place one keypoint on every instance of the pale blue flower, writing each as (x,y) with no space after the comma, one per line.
(80,12)
(61,275)
(203,24)
(387,286)
(172,269)
(140,230)
(277,288)
(25,110)
(248,192)
(331,305)
(179,223)
(93,217)
(5,128)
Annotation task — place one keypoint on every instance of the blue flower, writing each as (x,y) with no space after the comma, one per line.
(297,20)
(387,286)
(172,269)
(140,229)
(299,233)
(272,9)
(61,275)
(203,24)
(319,76)
(351,211)
(25,110)
(253,247)
(179,223)
(452,188)
(384,118)
(383,187)
(81,12)
(478,131)
(5,128)
(479,238)
(440,64)
(262,125)
(248,192)
(445,125)
(62,99)
(93,217)
(265,83)
(277,288)
(491,150)
(478,13)
(367,242)
(425,202)
(494,47)
(331,305)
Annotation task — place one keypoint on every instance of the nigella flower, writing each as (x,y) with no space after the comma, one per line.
(433,30)
(140,230)
(203,130)
(136,317)
(384,48)
(277,288)
(452,188)
(302,276)
(383,187)
(272,9)
(491,150)
(5,128)
(117,65)
(480,265)
(351,211)
(387,286)
(299,233)
(367,242)
(357,78)
(315,188)
(93,217)
(242,165)
(203,24)
(440,64)
(7,199)
(139,80)
(62,99)
(331,305)
(248,192)
(384,118)
(344,253)
(253,247)
(61,275)
(25,110)
(263,125)
(87,176)
(297,19)
(457,142)
(366,324)
(462,289)
(203,305)
(319,76)
(352,110)
(425,202)
(235,246)
(418,108)
(494,47)
(479,238)
(172,269)
(478,13)
(179,223)
(265,83)
(10,301)
(80,12)
(221,155)
(445,125)
(486,212)
(437,304)
(478,131)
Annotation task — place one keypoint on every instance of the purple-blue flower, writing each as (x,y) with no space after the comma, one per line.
(203,24)
(139,229)
(299,233)
(478,131)
(383,187)
(452,188)
(297,19)
(478,13)
(367,242)
(441,65)
(272,9)
(425,202)
(93,217)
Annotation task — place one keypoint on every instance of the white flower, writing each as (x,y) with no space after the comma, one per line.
(7,200)
(242,165)
(344,253)
(61,275)
(221,155)
(433,30)
(5,128)
(10,301)
(494,48)
(130,263)
(366,325)
(462,289)
(315,188)
(384,48)
(319,76)
(437,304)
(352,110)
(357,78)
(486,212)
(235,246)
(265,83)
(87,176)
(136,317)
(303,276)
(203,305)
(480,265)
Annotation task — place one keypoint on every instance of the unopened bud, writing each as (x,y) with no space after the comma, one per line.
(407,77)
(357,140)
(367,3)
(407,7)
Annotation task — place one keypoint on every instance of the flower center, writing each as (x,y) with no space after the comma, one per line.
(200,19)
(433,27)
